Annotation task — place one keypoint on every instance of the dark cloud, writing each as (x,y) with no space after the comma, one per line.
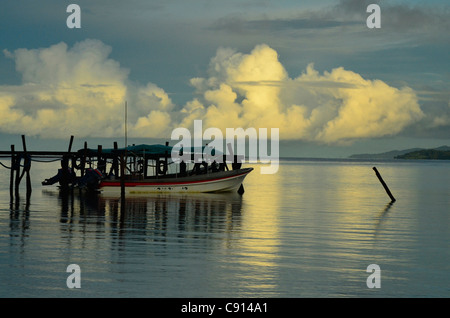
(237,24)
(395,18)
(399,17)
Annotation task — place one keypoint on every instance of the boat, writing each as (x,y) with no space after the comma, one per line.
(144,169)
(221,181)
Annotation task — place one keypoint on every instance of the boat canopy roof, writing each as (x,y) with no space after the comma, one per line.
(136,150)
(144,150)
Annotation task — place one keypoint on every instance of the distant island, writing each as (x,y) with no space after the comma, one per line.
(426,154)
(440,153)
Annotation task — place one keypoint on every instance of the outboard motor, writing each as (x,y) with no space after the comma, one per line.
(91,179)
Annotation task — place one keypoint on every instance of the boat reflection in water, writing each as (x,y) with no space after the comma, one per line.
(159,215)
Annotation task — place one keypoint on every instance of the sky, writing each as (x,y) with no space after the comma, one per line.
(314,69)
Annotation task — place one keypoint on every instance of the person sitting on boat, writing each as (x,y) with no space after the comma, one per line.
(223,166)
(198,168)
(214,166)
(183,171)
(237,164)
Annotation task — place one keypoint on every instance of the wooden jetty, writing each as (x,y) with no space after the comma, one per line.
(70,161)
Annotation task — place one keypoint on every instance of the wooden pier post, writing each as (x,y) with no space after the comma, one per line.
(13,167)
(72,158)
(17,176)
(25,170)
(64,173)
(122,175)
(70,144)
(384,185)
(101,163)
(27,167)
(27,163)
(83,160)
(115,164)
(67,171)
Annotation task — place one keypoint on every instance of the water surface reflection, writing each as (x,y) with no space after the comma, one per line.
(311,230)
(149,217)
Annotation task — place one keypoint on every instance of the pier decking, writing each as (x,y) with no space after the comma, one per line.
(20,163)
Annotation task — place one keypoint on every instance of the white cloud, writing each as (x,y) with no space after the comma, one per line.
(81,91)
(254,90)
(78,91)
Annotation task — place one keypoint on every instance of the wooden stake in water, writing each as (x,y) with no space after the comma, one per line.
(13,168)
(26,168)
(384,185)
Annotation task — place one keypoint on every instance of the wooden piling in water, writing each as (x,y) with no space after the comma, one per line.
(26,167)
(100,163)
(115,164)
(122,175)
(17,175)
(64,173)
(27,163)
(384,185)
(13,168)
(83,159)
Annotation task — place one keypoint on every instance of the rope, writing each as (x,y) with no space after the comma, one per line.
(45,161)
(27,165)
(4,165)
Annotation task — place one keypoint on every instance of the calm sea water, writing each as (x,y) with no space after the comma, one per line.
(311,230)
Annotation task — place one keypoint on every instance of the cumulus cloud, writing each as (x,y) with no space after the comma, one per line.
(81,91)
(254,90)
(77,90)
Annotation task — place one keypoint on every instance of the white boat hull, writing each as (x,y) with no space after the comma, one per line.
(227,181)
